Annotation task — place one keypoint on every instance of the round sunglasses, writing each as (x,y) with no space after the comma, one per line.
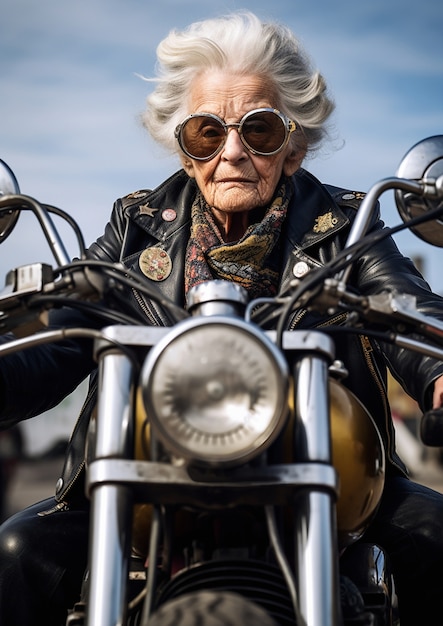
(264,131)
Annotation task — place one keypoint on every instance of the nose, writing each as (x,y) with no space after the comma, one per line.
(233,149)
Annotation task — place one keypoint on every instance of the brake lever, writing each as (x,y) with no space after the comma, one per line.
(399,312)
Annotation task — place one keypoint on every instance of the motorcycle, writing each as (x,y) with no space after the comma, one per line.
(231,474)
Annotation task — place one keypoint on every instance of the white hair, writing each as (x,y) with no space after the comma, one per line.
(240,44)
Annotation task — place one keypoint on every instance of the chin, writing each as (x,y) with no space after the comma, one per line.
(238,204)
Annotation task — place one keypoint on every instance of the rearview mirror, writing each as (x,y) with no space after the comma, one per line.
(423,162)
(8,186)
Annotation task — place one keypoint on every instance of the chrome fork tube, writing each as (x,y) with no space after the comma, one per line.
(111,505)
(317,576)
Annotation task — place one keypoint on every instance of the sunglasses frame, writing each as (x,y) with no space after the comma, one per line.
(289,125)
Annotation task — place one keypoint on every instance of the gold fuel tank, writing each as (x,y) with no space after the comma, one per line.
(358,456)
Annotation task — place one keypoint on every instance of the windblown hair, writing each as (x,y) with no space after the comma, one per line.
(240,44)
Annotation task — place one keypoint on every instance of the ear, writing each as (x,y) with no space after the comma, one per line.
(293,161)
(188,165)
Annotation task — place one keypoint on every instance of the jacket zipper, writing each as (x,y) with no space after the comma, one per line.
(59,507)
(367,351)
(153,318)
(298,316)
(89,397)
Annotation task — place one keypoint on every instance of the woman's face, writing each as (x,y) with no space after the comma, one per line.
(236,180)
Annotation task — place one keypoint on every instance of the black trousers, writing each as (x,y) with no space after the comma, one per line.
(42,558)
(409,526)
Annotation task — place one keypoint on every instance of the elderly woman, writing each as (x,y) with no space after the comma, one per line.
(240,103)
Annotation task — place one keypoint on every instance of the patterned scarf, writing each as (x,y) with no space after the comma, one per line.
(253,261)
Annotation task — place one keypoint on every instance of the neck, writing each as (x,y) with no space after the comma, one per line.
(232,226)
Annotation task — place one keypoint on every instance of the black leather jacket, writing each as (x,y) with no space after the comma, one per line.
(316,228)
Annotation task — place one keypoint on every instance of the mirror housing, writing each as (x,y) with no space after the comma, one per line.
(8,186)
(423,162)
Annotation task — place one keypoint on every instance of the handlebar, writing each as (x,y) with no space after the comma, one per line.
(55,243)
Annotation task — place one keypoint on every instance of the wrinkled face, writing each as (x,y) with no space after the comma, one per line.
(235,180)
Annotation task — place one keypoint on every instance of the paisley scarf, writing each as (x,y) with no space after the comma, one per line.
(253,261)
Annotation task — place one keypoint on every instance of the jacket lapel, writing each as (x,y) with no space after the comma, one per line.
(314,219)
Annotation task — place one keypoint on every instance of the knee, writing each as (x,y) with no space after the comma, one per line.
(17,536)
(12,542)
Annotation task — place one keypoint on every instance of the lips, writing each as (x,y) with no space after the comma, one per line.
(235,180)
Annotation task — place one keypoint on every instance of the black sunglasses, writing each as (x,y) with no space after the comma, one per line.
(264,131)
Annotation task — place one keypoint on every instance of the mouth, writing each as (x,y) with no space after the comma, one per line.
(238,181)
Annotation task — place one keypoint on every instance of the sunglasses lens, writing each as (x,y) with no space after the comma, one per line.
(264,132)
(201,136)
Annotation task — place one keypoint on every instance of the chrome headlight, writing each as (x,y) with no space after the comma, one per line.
(215,391)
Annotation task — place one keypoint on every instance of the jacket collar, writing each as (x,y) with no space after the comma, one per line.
(165,210)
(314,213)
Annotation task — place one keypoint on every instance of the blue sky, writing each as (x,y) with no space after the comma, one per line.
(70,98)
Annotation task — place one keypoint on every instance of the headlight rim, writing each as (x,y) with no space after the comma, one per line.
(280,408)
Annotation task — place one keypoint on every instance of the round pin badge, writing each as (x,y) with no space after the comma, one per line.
(300,269)
(155,263)
(169,215)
